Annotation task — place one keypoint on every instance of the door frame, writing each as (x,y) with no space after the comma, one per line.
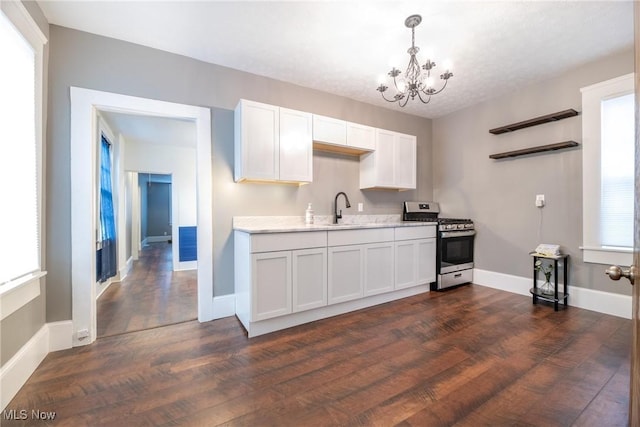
(84,106)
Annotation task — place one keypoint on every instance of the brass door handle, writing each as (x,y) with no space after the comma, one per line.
(615,273)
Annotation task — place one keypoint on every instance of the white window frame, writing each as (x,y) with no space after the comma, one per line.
(592,97)
(16,294)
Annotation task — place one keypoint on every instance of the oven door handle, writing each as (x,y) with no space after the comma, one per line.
(448,234)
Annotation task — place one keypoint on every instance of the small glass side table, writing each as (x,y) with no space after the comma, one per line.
(557,296)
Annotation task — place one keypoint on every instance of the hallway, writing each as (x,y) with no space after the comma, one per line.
(151,295)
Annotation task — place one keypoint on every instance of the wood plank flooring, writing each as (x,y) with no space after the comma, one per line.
(471,356)
(151,295)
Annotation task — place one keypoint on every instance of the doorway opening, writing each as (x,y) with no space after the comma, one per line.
(85,107)
(155,291)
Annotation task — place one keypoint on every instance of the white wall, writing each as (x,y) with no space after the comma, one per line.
(180,163)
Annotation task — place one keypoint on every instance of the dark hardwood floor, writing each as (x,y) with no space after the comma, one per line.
(472,356)
(151,295)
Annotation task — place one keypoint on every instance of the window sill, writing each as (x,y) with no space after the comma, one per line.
(18,293)
(608,256)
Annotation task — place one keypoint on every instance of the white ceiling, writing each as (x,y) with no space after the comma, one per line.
(152,130)
(343,47)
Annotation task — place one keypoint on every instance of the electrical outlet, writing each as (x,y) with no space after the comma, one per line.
(360,207)
(540,200)
(83,333)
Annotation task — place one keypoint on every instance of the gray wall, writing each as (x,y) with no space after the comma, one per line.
(95,62)
(500,195)
(19,327)
(159,209)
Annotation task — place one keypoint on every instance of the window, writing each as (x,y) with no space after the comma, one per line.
(608,132)
(21,47)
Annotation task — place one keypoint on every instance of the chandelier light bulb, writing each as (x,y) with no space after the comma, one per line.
(448,65)
(416,80)
(429,82)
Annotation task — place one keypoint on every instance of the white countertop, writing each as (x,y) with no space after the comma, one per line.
(286,224)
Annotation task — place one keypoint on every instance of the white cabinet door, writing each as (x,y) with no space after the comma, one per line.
(392,164)
(271,285)
(257,142)
(361,136)
(405,161)
(426,263)
(329,130)
(345,273)
(309,279)
(406,256)
(378,268)
(296,146)
(415,262)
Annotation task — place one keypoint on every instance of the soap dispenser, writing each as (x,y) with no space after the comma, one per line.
(308,215)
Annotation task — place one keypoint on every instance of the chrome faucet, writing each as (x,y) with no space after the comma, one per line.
(338,215)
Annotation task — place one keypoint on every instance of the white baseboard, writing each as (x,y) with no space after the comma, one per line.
(185,265)
(15,373)
(126,269)
(589,299)
(102,286)
(60,335)
(224,306)
(155,239)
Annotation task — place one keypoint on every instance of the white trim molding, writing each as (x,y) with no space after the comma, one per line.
(592,97)
(224,306)
(17,294)
(589,299)
(15,373)
(84,105)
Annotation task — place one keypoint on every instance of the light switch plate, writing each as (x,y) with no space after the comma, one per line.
(540,200)
(360,207)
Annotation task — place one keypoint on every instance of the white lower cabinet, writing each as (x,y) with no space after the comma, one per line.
(309,268)
(271,285)
(415,251)
(415,262)
(286,279)
(405,264)
(426,261)
(345,273)
(378,268)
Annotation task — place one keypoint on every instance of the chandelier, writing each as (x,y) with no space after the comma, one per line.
(415,82)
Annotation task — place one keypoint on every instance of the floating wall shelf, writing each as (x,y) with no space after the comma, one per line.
(533,122)
(532,150)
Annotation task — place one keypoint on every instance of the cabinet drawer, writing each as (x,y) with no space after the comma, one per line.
(271,242)
(358,237)
(410,233)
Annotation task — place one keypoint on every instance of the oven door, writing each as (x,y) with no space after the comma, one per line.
(456,251)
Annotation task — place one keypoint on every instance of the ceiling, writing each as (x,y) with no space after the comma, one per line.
(344,47)
(152,130)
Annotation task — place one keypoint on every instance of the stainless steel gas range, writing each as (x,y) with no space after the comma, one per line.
(454,244)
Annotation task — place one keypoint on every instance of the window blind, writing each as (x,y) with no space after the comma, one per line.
(19,240)
(617,171)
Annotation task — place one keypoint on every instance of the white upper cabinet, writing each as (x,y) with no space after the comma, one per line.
(361,136)
(257,141)
(393,163)
(330,131)
(296,147)
(336,135)
(272,143)
(405,159)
